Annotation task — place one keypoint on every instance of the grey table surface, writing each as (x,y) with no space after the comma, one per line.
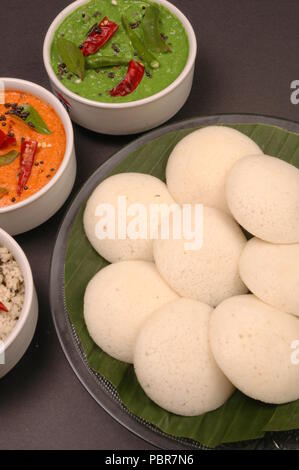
(248,56)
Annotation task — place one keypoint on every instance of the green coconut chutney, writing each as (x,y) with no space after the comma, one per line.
(97,83)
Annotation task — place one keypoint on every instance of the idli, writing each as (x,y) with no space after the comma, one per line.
(173,361)
(198,166)
(117,194)
(209,273)
(117,301)
(253,344)
(263,196)
(271,272)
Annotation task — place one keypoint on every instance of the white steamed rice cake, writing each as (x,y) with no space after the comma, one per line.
(173,361)
(263,196)
(198,166)
(135,188)
(209,274)
(252,343)
(271,272)
(117,301)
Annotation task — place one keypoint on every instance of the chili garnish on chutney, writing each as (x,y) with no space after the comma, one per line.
(27,118)
(3,308)
(98,36)
(28,152)
(6,140)
(131,81)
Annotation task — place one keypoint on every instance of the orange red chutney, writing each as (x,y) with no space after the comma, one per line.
(50,152)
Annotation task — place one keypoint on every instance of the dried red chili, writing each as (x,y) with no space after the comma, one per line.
(98,36)
(3,308)
(131,81)
(28,151)
(6,140)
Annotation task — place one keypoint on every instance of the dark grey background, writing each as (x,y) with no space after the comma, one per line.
(248,55)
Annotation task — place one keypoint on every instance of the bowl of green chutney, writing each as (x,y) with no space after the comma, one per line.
(121,66)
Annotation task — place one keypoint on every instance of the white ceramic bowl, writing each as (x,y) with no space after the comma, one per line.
(124,118)
(38,208)
(20,337)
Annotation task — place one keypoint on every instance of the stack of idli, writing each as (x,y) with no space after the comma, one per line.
(199,323)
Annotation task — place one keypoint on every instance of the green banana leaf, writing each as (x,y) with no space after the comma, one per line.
(241,418)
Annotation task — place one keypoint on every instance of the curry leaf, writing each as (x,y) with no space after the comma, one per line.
(8,158)
(34,119)
(71,56)
(3,192)
(151,32)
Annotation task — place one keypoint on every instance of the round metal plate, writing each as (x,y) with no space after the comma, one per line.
(100,389)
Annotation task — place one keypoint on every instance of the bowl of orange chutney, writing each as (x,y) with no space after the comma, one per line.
(37,155)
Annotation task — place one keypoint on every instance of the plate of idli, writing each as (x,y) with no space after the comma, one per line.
(190,348)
